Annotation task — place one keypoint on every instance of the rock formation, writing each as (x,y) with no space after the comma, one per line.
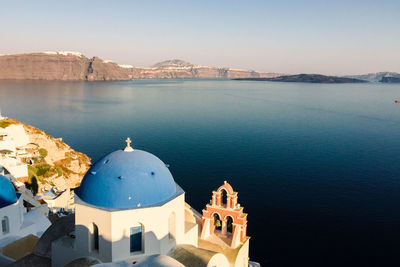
(60,66)
(53,163)
(181,69)
(307,78)
(73,66)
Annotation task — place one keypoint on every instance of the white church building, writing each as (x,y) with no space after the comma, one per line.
(128,207)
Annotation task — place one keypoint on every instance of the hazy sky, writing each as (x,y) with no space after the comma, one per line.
(330,37)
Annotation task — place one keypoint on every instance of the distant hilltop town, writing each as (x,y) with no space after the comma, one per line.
(57,209)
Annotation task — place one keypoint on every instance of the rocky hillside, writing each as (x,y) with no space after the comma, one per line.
(54,163)
(174,63)
(307,78)
(181,69)
(63,66)
(73,66)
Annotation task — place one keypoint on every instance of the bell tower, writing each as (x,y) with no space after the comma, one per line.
(224,217)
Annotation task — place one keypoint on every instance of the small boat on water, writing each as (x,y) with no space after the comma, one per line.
(397,101)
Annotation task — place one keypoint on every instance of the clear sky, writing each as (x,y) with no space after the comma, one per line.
(290,36)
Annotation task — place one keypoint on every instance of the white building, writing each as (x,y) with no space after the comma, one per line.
(16,222)
(127,208)
(58,202)
(13,142)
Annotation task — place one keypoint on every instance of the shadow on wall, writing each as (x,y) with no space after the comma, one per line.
(59,228)
(62,231)
(41,255)
(135,243)
(150,245)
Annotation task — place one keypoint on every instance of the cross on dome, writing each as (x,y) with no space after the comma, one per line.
(128,147)
(128,141)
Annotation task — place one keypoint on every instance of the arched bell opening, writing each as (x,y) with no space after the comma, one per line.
(229,225)
(224,197)
(217,222)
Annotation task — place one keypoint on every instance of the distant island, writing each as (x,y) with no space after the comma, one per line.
(74,66)
(307,78)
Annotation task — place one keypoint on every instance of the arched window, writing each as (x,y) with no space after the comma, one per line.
(136,239)
(172,227)
(5,225)
(94,237)
(229,224)
(217,222)
(224,197)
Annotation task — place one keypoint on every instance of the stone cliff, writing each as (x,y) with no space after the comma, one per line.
(59,66)
(181,69)
(99,70)
(73,66)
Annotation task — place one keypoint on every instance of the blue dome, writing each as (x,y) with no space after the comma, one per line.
(7,192)
(127,180)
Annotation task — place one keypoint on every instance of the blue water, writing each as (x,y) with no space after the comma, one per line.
(317,167)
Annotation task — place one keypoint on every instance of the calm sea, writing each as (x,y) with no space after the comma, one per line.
(317,167)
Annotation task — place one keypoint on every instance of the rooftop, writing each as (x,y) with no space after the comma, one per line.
(128,179)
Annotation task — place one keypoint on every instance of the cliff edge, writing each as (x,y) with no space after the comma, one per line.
(52,162)
(73,66)
(62,66)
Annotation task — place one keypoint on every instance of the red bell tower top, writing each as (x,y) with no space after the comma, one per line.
(224,216)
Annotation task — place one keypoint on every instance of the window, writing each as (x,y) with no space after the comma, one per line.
(136,239)
(94,237)
(5,227)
